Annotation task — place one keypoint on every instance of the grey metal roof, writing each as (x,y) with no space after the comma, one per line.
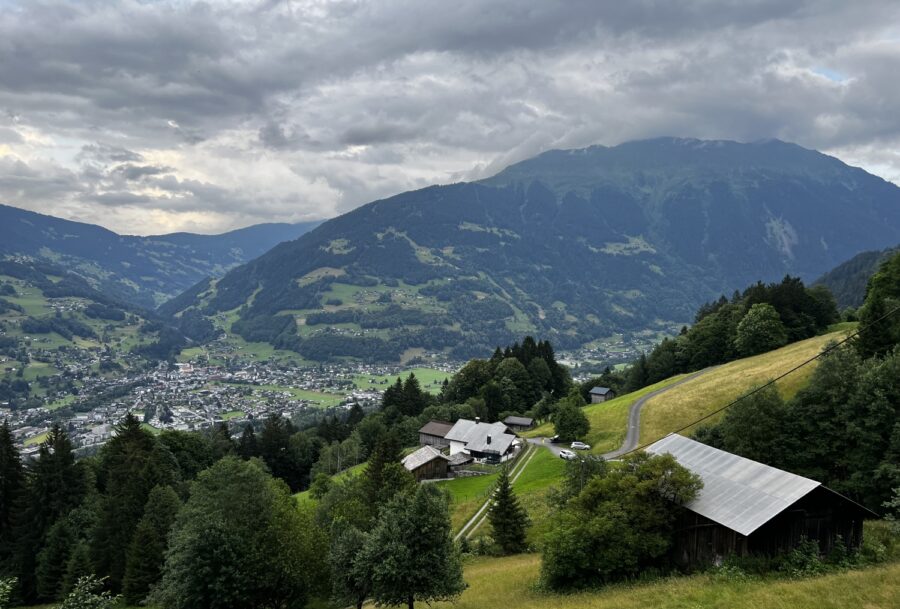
(600,390)
(474,435)
(417,459)
(737,493)
(436,428)
(513,420)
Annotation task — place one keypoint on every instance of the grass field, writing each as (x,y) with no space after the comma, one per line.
(466,496)
(608,420)
(429,379)
(685,403)
(498,583)
(34,440)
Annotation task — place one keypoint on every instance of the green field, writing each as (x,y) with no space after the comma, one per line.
(37,439)
(466,496)
(498,583)
(233,414)
(697,397)
(429,379)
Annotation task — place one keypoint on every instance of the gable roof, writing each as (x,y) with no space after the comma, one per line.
(513,420)
(436,428)
(417,459)
(474,435)
(737,493)
(600,390)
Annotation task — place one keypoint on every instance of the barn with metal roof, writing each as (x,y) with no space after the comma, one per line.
(746,507)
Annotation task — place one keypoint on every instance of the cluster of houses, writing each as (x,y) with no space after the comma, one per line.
(447,449)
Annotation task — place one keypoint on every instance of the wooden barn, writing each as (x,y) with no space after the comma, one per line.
(746,507)
(434,433)
(427,463)
(601,394)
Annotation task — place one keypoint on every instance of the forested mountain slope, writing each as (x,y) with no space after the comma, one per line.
(572,245)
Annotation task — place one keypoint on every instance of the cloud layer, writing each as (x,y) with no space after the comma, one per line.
(150,117)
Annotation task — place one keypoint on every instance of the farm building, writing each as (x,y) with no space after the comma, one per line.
(427,463)
(489,442)
(434,433)
(518,423)
(601,394)
(746,507)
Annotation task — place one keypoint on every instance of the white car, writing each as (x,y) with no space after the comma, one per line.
(568,455)
(580,446)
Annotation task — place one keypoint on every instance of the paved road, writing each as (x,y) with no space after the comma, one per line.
(632,434)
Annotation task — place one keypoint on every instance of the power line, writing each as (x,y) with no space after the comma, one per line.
(824,351)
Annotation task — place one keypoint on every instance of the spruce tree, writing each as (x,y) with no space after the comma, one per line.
(53,560)
(247,445)
(131,464)
(508,517)
(146,554)
(79,566)
(12,480)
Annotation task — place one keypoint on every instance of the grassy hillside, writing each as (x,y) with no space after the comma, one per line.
(667,412)
(500,582)
(609,419)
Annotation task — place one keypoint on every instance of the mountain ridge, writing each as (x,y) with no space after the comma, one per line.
(143,270)
(572,245)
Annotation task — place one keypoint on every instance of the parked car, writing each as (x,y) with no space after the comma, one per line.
(554,439)
(568,455)
(580,446)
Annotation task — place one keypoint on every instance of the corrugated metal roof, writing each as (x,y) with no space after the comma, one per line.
(600,390)
(737,493)
(417,459)
(475,434)
(514,420)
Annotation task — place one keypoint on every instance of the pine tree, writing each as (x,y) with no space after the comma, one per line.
(146,553)
(12,480)
(507,517)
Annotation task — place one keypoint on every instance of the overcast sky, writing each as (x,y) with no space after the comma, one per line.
(156,116)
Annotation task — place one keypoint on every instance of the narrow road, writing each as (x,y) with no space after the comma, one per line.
(633,431)
(633,434)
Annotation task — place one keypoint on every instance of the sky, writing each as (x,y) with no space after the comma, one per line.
(150,116)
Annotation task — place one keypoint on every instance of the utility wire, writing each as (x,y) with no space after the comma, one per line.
(824,351)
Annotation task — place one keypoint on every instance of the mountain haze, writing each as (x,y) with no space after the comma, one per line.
(573,245)
(141,270)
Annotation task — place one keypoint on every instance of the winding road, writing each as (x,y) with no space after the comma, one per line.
(632,437)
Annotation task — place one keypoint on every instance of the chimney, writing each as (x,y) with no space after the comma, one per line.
(488,439)
(477,420)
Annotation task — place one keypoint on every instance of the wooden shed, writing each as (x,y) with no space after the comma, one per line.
(746,507)
(434,433)
(427,463)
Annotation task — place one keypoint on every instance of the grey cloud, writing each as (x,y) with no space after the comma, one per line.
(284,109)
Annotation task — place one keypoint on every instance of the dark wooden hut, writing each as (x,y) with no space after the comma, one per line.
(746,507)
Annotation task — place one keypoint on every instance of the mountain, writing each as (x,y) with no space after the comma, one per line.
(571,245)
(141,270)
(848,281)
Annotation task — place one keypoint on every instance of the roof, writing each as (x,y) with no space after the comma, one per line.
(417,459)
(460,458)
(436,428)
(524,421)
(600,390)
(474,435)
(737,493)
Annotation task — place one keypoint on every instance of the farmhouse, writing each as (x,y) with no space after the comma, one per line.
(746,507)
(518,423)
(601,394)
(434,433)
(427,463)
(490,442)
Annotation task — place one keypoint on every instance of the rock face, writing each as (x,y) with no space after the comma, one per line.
(573,245)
